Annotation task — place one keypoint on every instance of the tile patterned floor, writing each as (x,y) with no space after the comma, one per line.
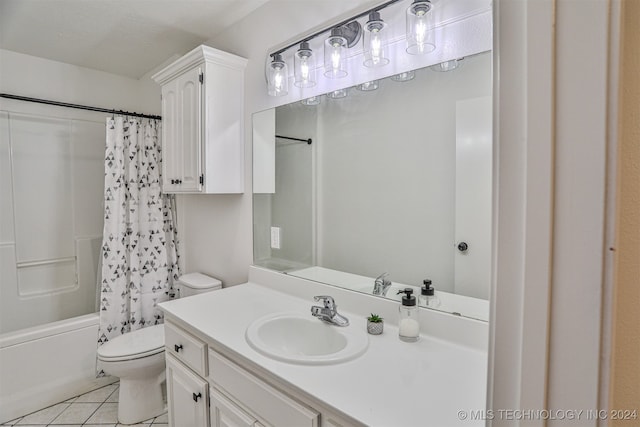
(97,408)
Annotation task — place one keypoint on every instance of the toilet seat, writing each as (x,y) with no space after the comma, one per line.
(133,345)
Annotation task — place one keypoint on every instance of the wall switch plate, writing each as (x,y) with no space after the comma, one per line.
(275,237)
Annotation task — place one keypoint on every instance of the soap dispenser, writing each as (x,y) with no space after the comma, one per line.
(408,324)
(428,296)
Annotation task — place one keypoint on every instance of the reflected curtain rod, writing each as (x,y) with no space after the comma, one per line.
(78,106)
(308,141)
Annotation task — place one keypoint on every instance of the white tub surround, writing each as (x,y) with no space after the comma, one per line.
(47,364)
(392,384)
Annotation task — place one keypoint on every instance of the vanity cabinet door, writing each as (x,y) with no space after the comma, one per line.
(224,413)
(187,396)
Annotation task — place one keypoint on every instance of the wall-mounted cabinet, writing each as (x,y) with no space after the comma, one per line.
(202,123)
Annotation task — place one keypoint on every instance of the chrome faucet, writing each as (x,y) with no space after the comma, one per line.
(381,285)
(329,311)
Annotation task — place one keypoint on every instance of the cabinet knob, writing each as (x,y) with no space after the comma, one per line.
(196,396)
(462,246)
(173,181)
(177,348)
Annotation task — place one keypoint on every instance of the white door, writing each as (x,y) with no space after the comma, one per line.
(186,395)
(474,153)
(224,413)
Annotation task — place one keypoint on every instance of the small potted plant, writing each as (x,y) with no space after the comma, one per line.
(375,324)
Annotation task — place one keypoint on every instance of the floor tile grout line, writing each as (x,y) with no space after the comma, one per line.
(97,409)
(99,406)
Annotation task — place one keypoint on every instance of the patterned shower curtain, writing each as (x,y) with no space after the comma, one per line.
(139,252)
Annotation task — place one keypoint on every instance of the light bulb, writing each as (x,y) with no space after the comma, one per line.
(375,44)
(337,94)
(368,86)
(304,63)
(314,100)
(420,34)
(447,65)
(404,77)
(277,78)
(376,47)
(334,52)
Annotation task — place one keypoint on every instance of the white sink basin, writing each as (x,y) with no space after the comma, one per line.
(303,339)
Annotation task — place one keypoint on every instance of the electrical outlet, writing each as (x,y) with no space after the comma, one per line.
(275,237)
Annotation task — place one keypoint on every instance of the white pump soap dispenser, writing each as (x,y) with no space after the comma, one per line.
(408,323)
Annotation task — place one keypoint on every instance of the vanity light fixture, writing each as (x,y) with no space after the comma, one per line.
(447,65)
(314,100)
(420,22)
(277,76)
(337,94)
(368,86)
(404,77)
(338,38)
(304,66)
(375,42)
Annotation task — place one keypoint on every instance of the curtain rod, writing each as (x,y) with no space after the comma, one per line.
(78,106)
(308,141)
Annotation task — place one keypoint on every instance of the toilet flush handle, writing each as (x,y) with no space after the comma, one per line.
(177,348)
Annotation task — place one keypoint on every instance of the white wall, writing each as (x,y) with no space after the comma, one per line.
(216,230)
(35,77)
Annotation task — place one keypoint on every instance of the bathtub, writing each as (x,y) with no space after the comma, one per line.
(47,364)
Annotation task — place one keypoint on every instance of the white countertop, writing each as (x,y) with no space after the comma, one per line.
(393,384)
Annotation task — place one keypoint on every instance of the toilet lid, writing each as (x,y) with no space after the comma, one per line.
(134,345)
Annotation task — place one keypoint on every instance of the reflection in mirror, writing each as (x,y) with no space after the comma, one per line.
(397,180)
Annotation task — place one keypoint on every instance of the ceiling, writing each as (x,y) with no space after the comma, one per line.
(125,37)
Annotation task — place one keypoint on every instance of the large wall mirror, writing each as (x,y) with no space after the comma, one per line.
(396,180)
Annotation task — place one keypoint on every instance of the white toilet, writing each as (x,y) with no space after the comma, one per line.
(137,358)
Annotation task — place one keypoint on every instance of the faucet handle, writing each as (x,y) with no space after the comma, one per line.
(382,276)
(326,300)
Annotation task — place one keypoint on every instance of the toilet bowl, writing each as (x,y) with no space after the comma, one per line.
(138,359)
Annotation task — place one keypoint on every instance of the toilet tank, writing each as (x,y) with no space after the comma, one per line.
(196,283)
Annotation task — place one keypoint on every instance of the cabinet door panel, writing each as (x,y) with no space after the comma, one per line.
(224,413)
(170,143)
(187,396)
(190,113)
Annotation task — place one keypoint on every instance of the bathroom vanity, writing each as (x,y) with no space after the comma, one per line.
(215,377)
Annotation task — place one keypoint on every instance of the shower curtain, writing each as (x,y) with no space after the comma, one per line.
(139,247)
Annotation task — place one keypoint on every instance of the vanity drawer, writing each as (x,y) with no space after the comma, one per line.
(258,397)
(187,348)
